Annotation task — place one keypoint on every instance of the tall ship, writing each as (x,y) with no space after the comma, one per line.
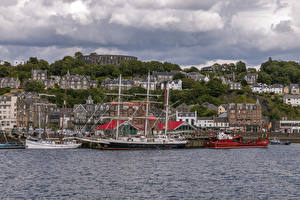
(227,141)
(147,140)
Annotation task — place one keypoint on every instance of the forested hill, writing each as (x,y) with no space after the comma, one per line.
(194,92)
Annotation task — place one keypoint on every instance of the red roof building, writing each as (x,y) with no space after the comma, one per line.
(176,125)
(111,125)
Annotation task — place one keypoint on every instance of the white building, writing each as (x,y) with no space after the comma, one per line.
(2,62)
(293,100)
(235,85)
(8,112)
(206,79)
(276,88)
(221,123)
(152,84)
(289,126)
(38,75)
(205,122)
(189,117)
(256,88)
(19,62)
(261,88)
(172,85)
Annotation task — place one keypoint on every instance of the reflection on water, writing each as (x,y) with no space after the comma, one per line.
(270,173)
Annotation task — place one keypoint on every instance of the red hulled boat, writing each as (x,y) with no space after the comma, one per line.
(226,141)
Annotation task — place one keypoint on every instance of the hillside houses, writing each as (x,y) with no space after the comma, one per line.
(172,85)
(12,83)
(293,100)
(112,84)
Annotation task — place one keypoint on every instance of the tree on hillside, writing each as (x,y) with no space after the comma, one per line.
(191,69)
(178,76)
(78,54)
(34,86)
(240,67)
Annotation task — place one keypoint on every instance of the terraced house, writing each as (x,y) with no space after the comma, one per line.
(245,116)
(77,82)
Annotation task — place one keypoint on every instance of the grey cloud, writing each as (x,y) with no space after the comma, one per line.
(197,31)
(282,26)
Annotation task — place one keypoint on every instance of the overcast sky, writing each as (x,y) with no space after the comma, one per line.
(186,32)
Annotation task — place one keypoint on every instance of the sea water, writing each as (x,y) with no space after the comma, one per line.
(270,173)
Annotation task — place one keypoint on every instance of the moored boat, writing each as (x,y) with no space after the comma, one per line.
(50,144)
(12,145)
(142,143)
(147,141)
(226,141)
(276,141)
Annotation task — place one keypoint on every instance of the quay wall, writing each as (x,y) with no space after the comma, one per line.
(199,140)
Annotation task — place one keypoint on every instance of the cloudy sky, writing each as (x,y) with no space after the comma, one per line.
(186,32)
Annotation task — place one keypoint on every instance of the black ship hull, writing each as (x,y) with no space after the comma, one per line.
(140,146)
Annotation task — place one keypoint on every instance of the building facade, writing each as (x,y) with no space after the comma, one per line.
(77,82)
(39,75)
(251,78)
(189,117)
(112,84)
(172,85)
(245,116)
(293,100)
(196,76)
(205,122)
(235,85)
(12,83)
(106,59)
(33,111)
(86,116)
(289,126)
(294,89)
(163,76)
(8,112)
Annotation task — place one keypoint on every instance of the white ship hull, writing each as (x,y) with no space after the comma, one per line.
(30,144)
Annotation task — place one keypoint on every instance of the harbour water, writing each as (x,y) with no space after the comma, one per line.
(271,173)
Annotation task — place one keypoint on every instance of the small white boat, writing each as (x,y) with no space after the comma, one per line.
(50,144)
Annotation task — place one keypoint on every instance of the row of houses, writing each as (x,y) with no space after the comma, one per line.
(276,88)
(76,82)
(29,110)
(154,84)
(243,117)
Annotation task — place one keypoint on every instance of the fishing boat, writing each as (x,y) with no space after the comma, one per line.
(276,141)
(227,141)
(162,141)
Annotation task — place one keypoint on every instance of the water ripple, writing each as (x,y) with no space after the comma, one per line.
(270,173)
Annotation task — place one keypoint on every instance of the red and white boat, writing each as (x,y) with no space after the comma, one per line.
(227,141)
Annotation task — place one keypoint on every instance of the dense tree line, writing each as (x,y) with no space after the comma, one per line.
(282,72)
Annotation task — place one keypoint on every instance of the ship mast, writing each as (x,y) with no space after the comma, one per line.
(167,110)
(118,107)
(63,109)
(147,105)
